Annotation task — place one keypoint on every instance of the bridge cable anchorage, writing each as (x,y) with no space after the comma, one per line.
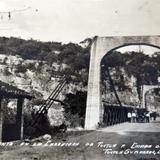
(52,99)
(52,95)
(113,87)
(48,103)
(44,108)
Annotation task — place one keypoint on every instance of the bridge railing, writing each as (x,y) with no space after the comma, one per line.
(114,114)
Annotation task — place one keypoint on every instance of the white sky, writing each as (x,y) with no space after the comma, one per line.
(148,50)
(75,20)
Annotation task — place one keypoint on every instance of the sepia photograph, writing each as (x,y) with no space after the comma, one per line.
(79,80)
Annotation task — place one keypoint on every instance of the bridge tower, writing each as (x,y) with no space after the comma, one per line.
(100,47)
(145,89)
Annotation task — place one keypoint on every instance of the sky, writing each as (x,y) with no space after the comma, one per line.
(148,50)
(75,20)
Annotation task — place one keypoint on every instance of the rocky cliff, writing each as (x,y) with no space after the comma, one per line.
(37,67)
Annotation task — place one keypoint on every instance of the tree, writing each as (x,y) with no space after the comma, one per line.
(76,104)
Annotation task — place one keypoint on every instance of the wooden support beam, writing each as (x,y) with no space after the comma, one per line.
(1,117)
(20,118)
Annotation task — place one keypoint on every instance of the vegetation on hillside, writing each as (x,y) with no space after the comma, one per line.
(145,68)
(75,58)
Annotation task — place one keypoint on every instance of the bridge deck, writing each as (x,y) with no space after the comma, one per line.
(153,126)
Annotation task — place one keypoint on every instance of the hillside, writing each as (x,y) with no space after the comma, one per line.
(38,66)
(129,72)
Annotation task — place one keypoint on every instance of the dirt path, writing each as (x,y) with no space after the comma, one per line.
(144,133)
